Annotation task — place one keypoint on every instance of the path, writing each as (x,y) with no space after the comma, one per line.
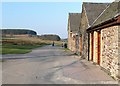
(51,65)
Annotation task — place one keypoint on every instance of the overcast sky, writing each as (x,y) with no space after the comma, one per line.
(44,17)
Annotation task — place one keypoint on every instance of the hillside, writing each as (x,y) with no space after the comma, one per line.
(17,31)
(50,37)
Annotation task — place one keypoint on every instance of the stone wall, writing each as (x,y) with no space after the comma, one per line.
(69,36)
(73,42)
(95,55)
(110,50)
(84,34)
(90,50)
(69,39)
(77,44)
(119,53)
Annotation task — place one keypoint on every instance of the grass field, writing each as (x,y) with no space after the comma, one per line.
(18,49)
(22,45)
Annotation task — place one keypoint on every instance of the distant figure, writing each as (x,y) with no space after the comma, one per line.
(65,45)
(53,44)
(62,44)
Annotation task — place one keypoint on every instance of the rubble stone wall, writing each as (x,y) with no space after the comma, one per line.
(110,50)
(83,27)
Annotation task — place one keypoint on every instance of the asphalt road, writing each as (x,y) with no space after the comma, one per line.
(46,65)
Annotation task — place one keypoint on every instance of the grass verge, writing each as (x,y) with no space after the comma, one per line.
(18,49)
(66,49)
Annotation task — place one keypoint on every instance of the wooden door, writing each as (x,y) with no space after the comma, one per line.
(77,43)
(99,46)
(81,45)
(92,45)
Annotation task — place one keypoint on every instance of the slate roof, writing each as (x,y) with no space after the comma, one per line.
(111,11)
(93,10)
(74,19)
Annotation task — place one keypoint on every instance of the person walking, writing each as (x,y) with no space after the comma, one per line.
(53,44)
(65,45)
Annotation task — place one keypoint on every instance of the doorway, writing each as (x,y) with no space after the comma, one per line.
(92,45)
(99,47)
(80,45)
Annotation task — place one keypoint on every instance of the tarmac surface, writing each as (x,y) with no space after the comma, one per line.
(51,65)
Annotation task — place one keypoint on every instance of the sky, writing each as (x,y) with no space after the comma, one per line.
(44,17)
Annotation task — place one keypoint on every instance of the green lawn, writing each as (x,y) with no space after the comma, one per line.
(17,49)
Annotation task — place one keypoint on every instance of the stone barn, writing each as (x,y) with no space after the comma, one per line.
(104,42)
(73,28)
(90,12)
